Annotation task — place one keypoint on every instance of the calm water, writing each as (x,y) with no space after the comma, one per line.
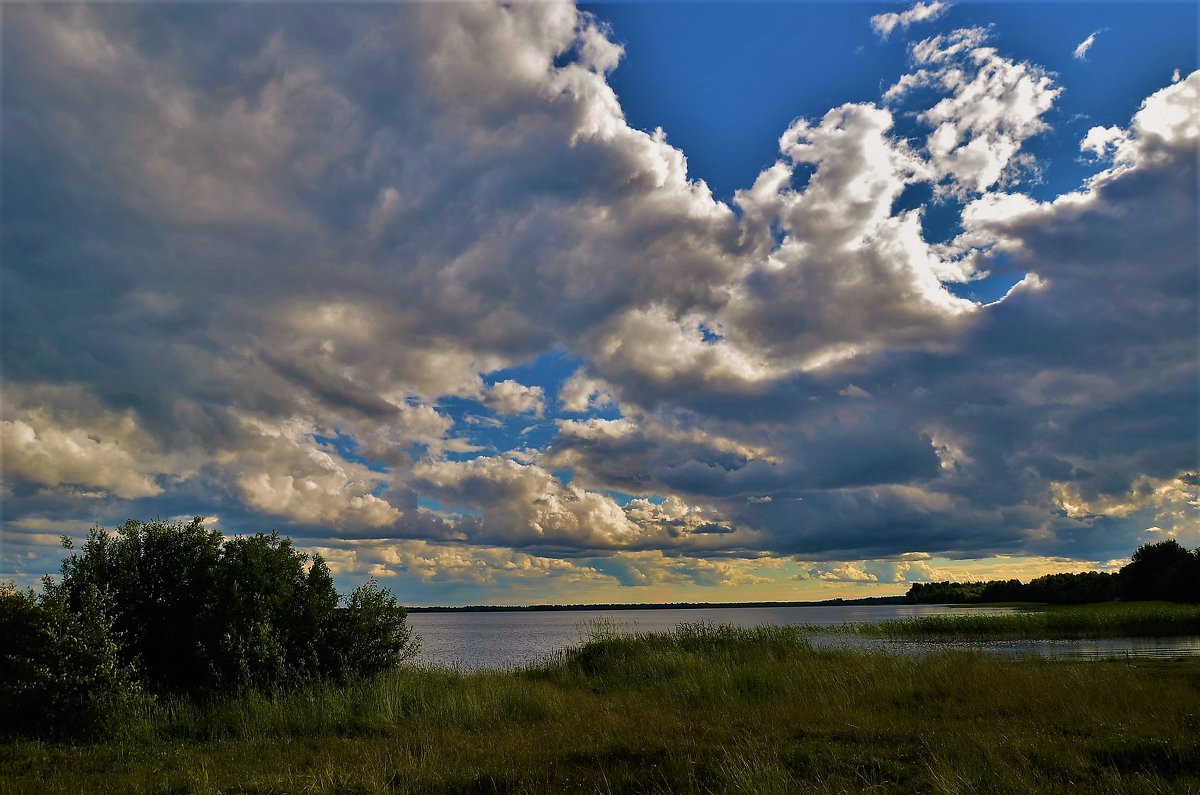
(496,640)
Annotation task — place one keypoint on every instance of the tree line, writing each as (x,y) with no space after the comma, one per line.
(174,608)
(1164,571)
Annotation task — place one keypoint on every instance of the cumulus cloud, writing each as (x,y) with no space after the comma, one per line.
(884,24)
(1101,140)
(525,505)
(510,397)
(252,276)
(66,439)
(992,105)
(581,393)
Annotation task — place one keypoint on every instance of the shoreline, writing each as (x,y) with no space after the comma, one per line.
(865,601)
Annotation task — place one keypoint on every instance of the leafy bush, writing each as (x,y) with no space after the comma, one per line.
(171,607)
(196,611)
(61,669)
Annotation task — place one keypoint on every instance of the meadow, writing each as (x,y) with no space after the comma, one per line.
(701,709)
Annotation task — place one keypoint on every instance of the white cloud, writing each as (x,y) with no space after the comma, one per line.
(281,473)
(581,393)
(1081,50)
(848,277)
(510,397)
(64,438)
(993,105)
(884,24)
(525,505)
(1100,140)
(307,252)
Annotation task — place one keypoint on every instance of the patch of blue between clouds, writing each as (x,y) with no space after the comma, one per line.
(623,498)
(724,80)
(992,287)
(439,507)
(348,449)
(494,433)
(709,335)
(1131,59)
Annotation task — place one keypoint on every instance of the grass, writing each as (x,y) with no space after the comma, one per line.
(1104,620)
(700,709)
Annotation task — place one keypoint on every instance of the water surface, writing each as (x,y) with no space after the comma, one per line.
(498,639)
(504,639)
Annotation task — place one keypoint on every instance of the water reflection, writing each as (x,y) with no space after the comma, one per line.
(502,639)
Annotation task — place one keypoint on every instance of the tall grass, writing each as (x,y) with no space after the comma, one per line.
(1105,620)
(700,709)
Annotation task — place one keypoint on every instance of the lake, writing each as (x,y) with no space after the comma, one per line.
(501,639)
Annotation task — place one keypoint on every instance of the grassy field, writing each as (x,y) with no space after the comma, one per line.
(1104,620)
(702,709)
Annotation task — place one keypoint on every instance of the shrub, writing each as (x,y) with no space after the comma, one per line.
(180,609)
(368,636)
(61,670)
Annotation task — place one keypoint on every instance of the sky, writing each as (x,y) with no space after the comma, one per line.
(537,303)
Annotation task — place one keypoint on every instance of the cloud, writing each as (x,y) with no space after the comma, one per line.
(884,24)
(1081,51)
(66,440)
(993,104)
(255,276)
(581,393)
(440,562)
(641,569)
(510,397)
(1099,140)
(524,505)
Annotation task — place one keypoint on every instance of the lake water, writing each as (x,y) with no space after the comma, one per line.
(500,639)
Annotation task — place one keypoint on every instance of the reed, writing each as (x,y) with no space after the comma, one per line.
(1104,620)
(700,709)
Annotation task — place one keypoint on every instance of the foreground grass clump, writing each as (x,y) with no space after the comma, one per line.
(701,709)
(1104,620)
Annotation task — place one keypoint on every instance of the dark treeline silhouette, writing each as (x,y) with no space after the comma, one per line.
(174,608)
(1163,571)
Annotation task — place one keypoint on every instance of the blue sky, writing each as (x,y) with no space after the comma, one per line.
(623,302)
(725,79)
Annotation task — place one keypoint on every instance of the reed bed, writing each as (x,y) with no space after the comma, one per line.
(1104,620)
(701,709)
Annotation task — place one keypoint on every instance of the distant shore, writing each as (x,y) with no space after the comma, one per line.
(870,600)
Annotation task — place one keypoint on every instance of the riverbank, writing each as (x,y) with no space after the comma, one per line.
(700,709)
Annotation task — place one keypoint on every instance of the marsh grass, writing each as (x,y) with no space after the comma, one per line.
(1104,620)
(700,709)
